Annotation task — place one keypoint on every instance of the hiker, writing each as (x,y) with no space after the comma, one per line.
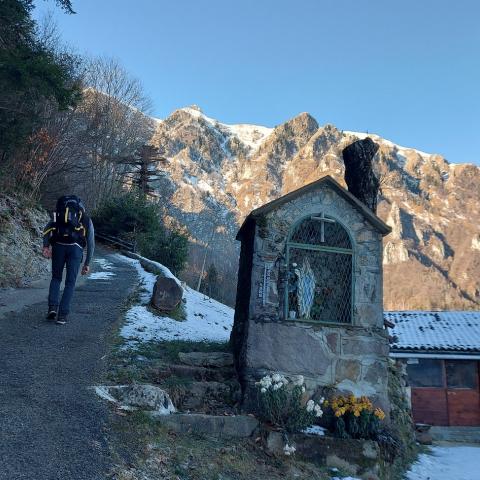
(64,239)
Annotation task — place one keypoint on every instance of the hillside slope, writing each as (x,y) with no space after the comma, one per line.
(21,243)
(217,173)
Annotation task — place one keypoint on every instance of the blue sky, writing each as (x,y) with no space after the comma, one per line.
(408,70)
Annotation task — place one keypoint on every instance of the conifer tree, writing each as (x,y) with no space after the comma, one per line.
(30,73)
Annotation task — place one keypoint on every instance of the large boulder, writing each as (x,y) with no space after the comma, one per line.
(167,294)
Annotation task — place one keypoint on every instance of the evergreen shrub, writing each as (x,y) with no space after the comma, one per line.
(131,216)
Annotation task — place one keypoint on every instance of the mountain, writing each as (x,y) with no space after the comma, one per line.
(217,173)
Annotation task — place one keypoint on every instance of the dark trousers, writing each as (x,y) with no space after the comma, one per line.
(71,256)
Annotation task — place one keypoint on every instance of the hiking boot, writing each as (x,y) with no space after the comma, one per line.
(62,319)
(52,313)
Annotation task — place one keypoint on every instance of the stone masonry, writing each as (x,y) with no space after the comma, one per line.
(350,357)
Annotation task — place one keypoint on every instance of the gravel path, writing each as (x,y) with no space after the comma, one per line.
(52,426)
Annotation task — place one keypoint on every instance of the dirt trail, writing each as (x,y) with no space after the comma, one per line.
(52,426)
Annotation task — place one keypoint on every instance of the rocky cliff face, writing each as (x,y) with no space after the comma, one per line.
(217,173)
(21,229)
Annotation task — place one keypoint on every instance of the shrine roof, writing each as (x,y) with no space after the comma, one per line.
(424,331)
(377,222)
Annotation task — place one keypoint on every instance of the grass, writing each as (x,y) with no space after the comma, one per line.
(179,313)
(160,453)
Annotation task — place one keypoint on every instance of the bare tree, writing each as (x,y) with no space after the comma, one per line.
(115,124)
(108,126)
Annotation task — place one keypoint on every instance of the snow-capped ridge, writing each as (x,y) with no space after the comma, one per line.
(252,136)
(389,143)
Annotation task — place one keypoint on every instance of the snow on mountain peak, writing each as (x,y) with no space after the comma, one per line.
(379,139)
(250,135)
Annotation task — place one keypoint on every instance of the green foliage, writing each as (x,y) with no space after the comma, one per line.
(168,247)
(31,73)
(365,426)
(397,442)
(127,215)
(133,217)
(281,404)
(353,417)
(210,284)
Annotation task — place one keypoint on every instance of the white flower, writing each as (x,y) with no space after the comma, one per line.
(277,386)
(303,389)
(263,390)
(276,378)
(299,381)
(289,449)
(318,411)
(266,381)
(310,406)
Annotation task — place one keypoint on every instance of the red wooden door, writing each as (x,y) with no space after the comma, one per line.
(445,392)
(429,398)
(463,395)
(429,405)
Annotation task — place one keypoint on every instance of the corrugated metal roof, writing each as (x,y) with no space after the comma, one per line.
(446,331)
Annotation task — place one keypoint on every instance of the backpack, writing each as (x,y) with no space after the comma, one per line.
(70,220)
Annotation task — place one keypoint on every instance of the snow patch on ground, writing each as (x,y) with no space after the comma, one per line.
(446,462)
(347,478)
(315,430)
(103,263)
(453,462)
(105,273)
(147,279)
(102,392)
(206,319)
(101,275)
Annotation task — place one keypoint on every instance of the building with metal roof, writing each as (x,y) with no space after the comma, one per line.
(441,351)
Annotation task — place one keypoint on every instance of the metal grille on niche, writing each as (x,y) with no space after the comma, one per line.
(319,259)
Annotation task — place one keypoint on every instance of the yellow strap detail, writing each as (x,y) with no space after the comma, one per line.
(49,230)
(66,215)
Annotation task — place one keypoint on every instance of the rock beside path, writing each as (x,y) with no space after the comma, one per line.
(206,359)
(138,397)
(167,294)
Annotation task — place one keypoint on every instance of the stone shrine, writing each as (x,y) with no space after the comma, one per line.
(309,297)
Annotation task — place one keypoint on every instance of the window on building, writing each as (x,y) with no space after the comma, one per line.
(461,374)
(319,257)
(426,373)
